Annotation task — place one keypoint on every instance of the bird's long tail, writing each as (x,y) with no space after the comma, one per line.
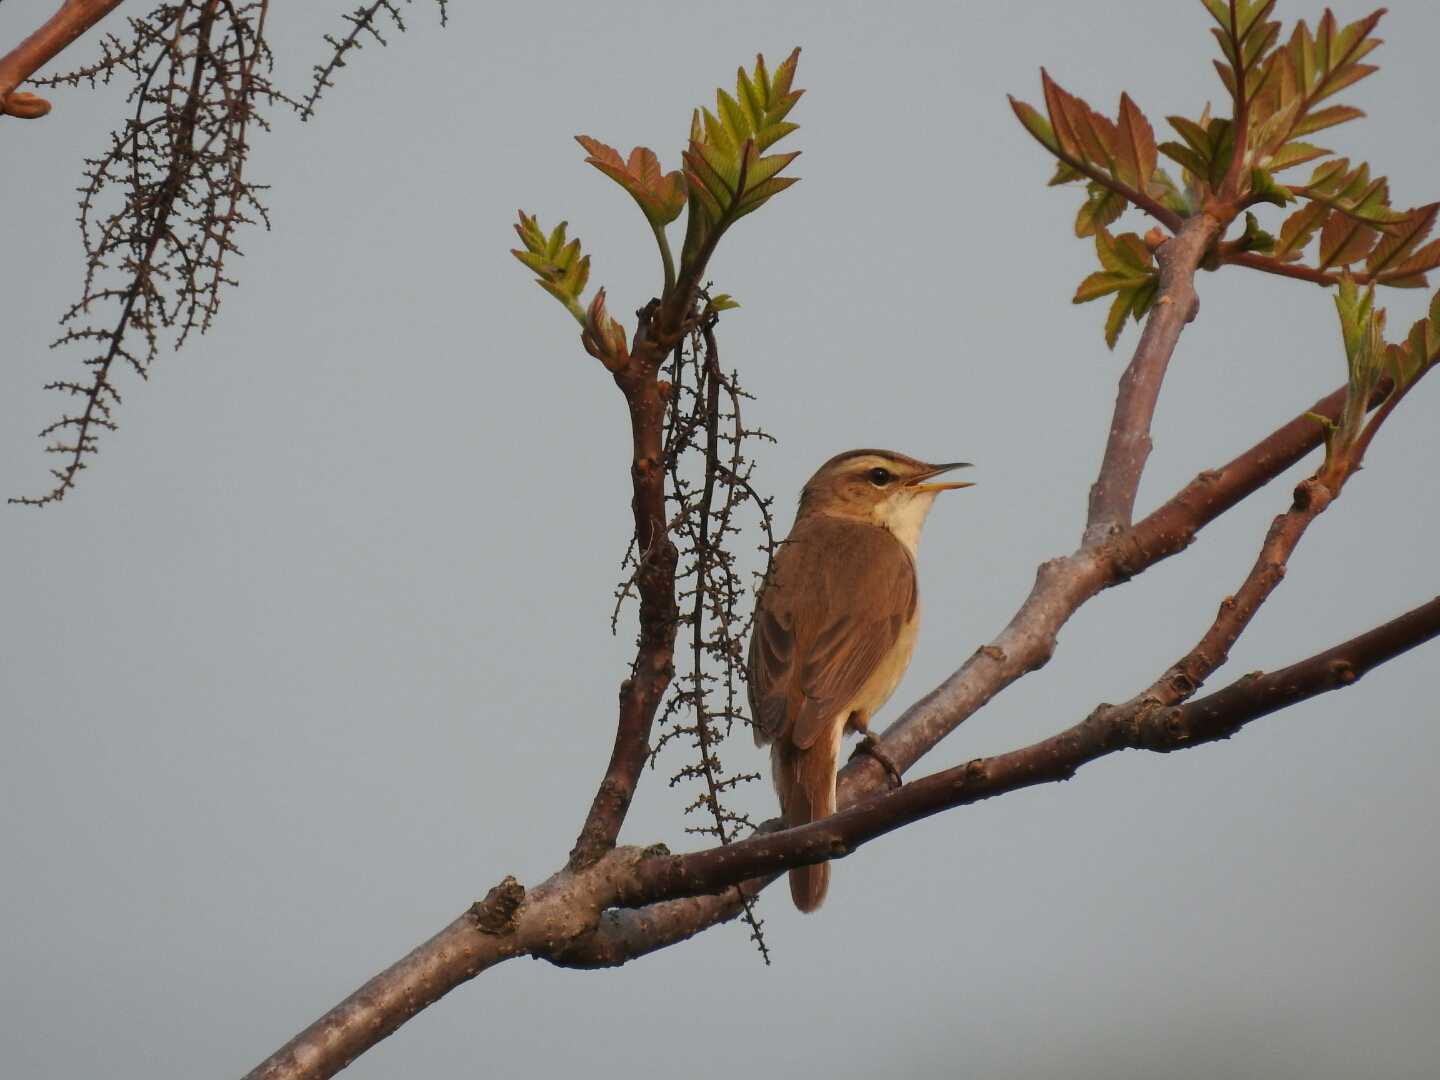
(805,781)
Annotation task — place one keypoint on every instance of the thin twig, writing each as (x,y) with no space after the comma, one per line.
(58,32)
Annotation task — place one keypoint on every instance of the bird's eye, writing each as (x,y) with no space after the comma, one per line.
(881,477)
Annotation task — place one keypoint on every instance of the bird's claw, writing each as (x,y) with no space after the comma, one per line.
(870,745)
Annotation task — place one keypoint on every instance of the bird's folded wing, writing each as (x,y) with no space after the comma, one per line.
(838,596)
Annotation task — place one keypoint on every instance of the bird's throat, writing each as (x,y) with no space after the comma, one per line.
(904,515)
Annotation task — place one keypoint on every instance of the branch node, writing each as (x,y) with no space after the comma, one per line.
(1343,672)
(495,915)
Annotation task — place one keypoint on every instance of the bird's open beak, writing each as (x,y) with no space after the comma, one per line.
(936,470)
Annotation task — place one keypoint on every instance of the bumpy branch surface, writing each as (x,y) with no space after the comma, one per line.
(59,31)
(656,557)
(1112,498)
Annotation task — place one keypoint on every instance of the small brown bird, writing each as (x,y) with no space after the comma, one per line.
(835,625)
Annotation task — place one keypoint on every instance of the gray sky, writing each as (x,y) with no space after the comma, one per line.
(318,651)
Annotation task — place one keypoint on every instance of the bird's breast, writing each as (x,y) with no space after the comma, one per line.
(889,671)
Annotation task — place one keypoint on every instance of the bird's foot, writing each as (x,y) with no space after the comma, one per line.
(870,745)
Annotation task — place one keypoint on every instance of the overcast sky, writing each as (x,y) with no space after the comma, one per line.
(318,651)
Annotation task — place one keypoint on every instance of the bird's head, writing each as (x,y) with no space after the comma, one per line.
(879,487)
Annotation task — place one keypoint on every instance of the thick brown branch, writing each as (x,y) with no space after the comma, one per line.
(509,922)
(561,919)
(459,952)
(1064,584)
(1112,498)
(58,32)
(1057,758)
(1224,712)
(640,695)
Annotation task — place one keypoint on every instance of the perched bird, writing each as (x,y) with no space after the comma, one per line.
(835,625)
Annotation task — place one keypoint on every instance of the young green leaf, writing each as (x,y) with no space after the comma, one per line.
(1100,208)
(1421,348)
(726,175)
(1263,188)
(558,265)
(1254,238)
(1352,192)
(1128,271)
(1362,331)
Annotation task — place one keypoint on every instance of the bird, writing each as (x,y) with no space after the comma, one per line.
(835,625)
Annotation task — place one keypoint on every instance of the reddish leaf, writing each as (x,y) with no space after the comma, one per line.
(1135,143)
(1405,236)
(1344,240)
(1298,229)
(661,195)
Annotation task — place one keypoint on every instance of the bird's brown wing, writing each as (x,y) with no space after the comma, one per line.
(838,596)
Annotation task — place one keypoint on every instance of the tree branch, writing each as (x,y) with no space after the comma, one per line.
(618,936)
(627,934)
(1112,498)
(58,32)
(641,693)
(562,919)
(1059,757)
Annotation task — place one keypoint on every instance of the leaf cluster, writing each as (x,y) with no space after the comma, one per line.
(1283,91)
(1129,272)
(1375,365)
(726,175)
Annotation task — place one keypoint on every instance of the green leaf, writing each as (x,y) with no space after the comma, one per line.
(1101,207)
(1170,195)
(1263,188)
(1115,318)
(557,263)
(1128,271)
(722,302)
(1187,158)
(1362,331)
(1255,238)
(1353,193)
(1196,136)
(1324,118)
(726,174)
(1294,153)
(1406,362)
(1036,124)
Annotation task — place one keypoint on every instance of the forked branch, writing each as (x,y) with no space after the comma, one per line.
(1105,731)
